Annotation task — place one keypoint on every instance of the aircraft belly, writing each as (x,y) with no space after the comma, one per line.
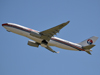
(60,45)
(19,32)
(23,33)
(34,38)
(14,30)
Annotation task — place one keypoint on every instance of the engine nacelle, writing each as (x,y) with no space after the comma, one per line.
(33,43)
(36,34)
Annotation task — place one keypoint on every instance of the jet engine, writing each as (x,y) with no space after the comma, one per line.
(33,43)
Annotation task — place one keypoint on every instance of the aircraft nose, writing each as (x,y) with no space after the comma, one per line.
(4,24)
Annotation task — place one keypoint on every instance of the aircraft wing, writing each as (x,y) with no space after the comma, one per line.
(47,34)
(50,49)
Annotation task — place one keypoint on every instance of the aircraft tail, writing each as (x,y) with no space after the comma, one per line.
(89,41)
(88,44)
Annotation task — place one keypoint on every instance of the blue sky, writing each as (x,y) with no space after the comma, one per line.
(17,58)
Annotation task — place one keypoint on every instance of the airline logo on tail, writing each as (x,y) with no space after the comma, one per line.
(89,41)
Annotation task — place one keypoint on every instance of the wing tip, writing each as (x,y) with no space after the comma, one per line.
(57,52)
(68,21)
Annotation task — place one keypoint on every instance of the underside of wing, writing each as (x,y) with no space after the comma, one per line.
(50,49)
(47,34)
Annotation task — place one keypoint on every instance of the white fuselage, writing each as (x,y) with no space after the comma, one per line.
(57,42)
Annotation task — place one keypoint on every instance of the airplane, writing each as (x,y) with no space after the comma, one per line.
(46,38)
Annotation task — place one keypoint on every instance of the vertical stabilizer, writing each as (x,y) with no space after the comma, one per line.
(89,41)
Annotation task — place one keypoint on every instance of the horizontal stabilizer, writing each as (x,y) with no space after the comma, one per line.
(88,47)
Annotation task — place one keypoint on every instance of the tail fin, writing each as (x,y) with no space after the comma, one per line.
(88,44)
(89,41)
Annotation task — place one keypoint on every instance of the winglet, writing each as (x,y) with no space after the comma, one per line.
(68,21)
(57,52)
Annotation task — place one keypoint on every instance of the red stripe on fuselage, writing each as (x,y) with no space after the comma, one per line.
(68,44)
(28,29)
